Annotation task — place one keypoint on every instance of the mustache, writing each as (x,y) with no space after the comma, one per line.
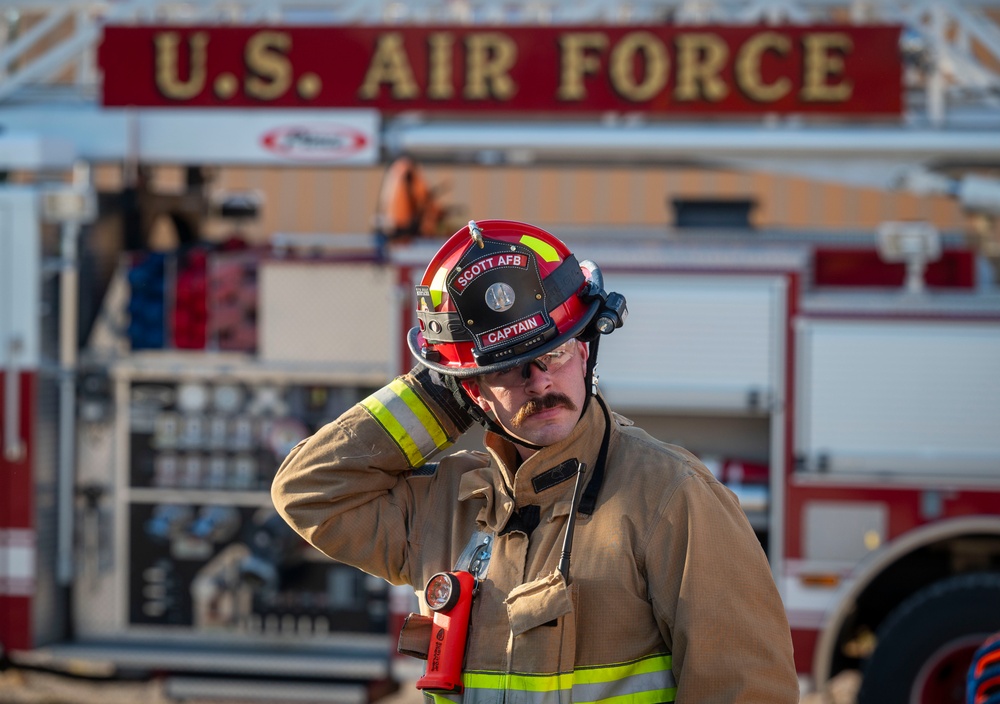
(536,405)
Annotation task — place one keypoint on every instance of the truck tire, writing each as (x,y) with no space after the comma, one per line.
(926,644)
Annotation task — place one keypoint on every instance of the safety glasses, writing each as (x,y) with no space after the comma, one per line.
(550,362)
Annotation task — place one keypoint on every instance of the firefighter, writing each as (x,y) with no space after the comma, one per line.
(407,207)
(606,565)
(983,680)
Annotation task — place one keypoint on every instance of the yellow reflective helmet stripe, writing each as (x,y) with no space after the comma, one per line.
(408,421)
(543,249)
(437,287)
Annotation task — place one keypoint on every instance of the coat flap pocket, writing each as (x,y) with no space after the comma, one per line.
(538,602)
(415,636)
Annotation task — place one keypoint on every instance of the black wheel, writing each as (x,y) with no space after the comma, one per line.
(926,644)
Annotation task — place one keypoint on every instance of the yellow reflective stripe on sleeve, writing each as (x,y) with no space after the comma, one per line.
(544,250)
(408,421)
(419,409)
(396,431)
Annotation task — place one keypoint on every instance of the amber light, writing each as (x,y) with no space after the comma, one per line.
(820,580)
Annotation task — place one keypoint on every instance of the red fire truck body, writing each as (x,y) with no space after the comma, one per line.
(143,527)
(27,418)
(17,536)
(858,426)
(845,386)
(875,413)
(892,498)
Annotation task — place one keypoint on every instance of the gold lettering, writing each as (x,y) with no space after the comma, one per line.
(390,65)
(490,56)
(439,84)
(622,67)
(748,67)
(267,60)
(167,80)
(700,58)
(577,62)
(821,65)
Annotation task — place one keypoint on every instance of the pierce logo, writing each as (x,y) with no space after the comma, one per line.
(314,142)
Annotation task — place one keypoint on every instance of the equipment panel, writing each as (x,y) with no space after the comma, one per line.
(203,550)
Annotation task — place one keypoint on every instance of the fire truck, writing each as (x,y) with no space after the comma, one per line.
(844,384)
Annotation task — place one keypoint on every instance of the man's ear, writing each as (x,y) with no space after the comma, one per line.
(471,387)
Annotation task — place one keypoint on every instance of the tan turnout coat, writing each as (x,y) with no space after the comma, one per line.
(669,595)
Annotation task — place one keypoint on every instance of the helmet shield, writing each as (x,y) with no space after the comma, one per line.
(498,293)
(492,302)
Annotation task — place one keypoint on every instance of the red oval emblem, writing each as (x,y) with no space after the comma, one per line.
(314,142)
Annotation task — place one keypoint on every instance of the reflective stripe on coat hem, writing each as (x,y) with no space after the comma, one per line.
(649,680)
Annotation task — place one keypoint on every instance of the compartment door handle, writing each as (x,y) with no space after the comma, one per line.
(13,443)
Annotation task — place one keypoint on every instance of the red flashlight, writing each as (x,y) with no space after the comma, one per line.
(449,596)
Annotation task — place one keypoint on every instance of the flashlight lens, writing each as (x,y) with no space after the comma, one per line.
(441,591)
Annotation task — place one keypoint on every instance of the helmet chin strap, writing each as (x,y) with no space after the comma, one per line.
(590,378)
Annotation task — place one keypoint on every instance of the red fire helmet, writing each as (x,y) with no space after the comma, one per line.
(498,294)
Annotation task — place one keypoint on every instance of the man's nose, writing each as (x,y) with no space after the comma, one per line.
(535,374)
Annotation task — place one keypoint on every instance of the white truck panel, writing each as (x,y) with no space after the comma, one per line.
(899,397)
(339,314)
(20,272)
(695,342)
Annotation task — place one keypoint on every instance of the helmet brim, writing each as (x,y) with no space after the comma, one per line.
(413,340)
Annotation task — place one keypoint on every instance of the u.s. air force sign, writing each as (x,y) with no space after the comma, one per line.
(664,69)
